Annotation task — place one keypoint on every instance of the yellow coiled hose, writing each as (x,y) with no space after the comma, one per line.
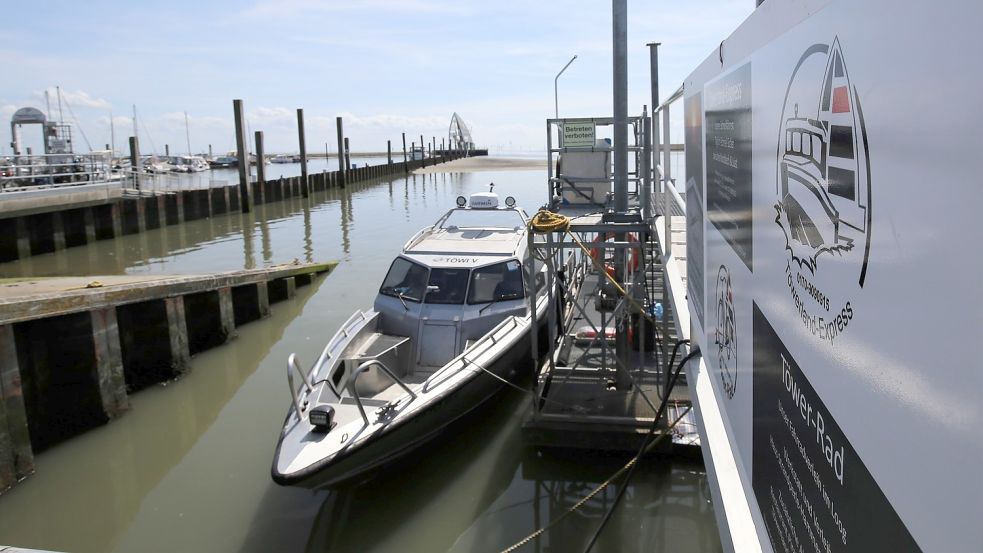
(547,221)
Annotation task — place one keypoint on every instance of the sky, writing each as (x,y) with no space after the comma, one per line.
(386,66)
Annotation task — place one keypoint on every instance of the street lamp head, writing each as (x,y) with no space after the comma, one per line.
(556,104)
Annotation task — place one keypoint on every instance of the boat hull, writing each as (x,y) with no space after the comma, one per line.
(385,448)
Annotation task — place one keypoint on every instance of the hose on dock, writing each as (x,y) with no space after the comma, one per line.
(645,445)
(546,221)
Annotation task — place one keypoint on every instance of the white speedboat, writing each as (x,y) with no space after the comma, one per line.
(451,322)
(189,164)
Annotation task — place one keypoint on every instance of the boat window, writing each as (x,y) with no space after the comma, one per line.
(406,279)
(502,281)
(447,285)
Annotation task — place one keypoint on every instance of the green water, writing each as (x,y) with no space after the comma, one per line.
(187,468)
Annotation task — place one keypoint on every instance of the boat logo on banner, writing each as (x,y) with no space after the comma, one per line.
(725,334)
(823,190)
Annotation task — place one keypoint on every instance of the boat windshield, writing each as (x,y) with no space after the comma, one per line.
(447,286)
(498,282)
(484,218)
(406,280)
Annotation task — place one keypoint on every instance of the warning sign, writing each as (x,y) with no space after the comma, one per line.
(578,135)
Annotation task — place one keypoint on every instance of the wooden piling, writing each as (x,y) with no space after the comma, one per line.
(23,238)
(135,162)
(109,362)
(343,173)
(58,230)
(227,312)
(260,170)
(177,331)
(16,455)
(348,156)
(245,199)
(305,186)
(116,216)
(90,225)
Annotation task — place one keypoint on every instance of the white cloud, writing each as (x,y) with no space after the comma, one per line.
(76,99)
(271,116)
(176,119)
(396,122)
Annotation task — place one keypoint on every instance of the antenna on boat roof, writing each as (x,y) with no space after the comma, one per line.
(491,187)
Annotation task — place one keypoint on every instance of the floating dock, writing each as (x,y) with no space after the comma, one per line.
(73,348)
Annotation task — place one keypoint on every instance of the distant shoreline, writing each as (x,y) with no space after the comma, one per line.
(484,163)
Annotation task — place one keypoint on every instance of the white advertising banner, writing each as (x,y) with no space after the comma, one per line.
(839,309)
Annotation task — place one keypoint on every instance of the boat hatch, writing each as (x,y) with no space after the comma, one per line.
(441,340)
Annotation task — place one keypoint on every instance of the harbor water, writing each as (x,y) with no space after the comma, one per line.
(188,467)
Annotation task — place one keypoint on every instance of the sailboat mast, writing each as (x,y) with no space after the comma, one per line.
(61,116)
(112,134)
(187,132)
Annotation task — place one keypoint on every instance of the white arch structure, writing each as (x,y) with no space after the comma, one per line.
(459,135)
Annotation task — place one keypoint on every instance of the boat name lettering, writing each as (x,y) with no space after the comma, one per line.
(460,260)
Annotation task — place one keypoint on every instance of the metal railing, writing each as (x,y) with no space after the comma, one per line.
(293,367)
(353,389)
(668,195)
(669,198)
(169,182)
(23,172)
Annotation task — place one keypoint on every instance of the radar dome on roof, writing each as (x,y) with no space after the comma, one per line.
(484,200)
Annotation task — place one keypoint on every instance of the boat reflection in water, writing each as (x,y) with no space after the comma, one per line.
(501,499)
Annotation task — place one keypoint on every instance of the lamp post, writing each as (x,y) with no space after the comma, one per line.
(556,104)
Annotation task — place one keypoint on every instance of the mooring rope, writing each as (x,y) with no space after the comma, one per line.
(574,408)
(598,489)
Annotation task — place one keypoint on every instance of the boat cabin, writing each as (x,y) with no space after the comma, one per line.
(455,281)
